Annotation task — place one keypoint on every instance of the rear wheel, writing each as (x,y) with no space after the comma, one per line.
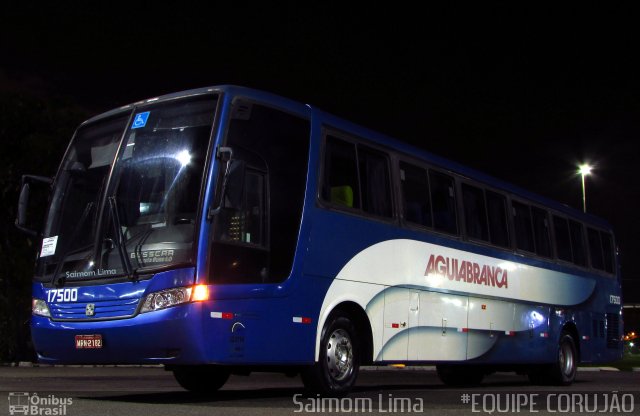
(338,364)
(201,379)
(563,371)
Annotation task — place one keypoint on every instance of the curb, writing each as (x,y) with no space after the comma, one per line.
(28,364)
(399,367)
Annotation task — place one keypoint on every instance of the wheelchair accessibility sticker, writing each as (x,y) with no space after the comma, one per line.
(140,120)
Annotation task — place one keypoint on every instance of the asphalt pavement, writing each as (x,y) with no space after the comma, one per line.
(131,390)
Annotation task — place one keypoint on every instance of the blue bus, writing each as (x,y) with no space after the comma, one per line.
(225,230)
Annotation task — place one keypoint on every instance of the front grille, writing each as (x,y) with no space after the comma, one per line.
(106,309)
(613,330)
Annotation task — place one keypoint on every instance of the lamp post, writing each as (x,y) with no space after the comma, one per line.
(584,170)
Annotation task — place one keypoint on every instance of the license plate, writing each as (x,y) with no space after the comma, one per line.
(88,341)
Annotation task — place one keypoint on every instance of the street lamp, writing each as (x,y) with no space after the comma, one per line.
(584,170)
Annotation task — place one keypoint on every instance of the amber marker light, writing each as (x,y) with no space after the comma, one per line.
(200,293)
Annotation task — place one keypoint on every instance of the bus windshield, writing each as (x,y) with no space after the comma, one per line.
(110,219)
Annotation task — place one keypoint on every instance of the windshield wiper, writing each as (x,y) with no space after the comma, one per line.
(59,280)
(115,220)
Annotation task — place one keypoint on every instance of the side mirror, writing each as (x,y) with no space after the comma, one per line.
(23,202)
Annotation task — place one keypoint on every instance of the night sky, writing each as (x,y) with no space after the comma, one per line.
(522,95)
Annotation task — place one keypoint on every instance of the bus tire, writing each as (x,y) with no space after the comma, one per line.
(201,379)
(563,371)
(338,364)
(460,375)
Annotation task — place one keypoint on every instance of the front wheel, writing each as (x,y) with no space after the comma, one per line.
(201,379)
(338,364)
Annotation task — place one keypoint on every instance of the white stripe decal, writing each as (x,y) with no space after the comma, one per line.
(448,274)
(420,264)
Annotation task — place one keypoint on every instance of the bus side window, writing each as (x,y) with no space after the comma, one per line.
(255,234)
(541,232)
(523,227)
(255,208)
(356,177)
(374,182)
(607,251)
(595,249)
(340,185)
(475,213)
(497,213)
(563,241)
(443,202)
(577,243)
(415,194)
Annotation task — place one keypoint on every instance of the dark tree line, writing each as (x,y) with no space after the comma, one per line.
(34,133)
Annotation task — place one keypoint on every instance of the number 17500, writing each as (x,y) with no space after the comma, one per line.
(62,295)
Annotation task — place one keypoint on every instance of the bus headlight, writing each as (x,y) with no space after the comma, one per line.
(166,298)
(39,307)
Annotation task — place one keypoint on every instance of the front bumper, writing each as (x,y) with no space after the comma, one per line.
(172,335)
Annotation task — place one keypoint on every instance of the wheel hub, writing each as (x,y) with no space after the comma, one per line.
(566,359)
(339,355)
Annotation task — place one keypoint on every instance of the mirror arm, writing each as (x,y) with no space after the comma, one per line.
(213,212)
(36,178)
(224,154)
(27,231)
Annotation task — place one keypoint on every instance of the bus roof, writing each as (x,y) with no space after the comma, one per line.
(373,136)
